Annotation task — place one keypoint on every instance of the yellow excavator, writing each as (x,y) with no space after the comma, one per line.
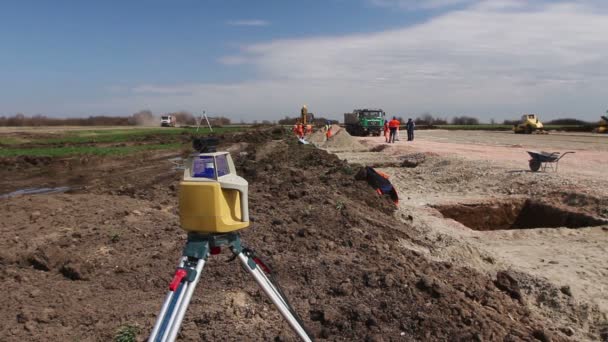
(529,124)
(602,126)
(306,117)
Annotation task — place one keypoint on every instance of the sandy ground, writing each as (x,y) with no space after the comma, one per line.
(509,150)
(469,167)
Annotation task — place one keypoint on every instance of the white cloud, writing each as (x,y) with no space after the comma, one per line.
(493,61)
(250,22)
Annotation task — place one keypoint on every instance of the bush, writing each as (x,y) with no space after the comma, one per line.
(21,120)
(126,333)
(428,120)
(464,120)
(568,122)
(292,121)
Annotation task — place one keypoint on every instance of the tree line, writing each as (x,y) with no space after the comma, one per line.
(141,118)
(428,119)
(184,118)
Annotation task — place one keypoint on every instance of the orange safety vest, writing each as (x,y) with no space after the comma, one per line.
(394,124)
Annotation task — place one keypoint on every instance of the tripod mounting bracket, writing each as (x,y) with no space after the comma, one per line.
(199,245)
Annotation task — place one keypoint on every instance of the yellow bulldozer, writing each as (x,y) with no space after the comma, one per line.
(602,126)
(529,124)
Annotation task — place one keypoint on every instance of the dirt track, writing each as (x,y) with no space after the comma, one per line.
(80,265)
(509,150)
(468,168)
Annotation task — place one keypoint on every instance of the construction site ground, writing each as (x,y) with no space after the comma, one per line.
(85,264)
(485,169)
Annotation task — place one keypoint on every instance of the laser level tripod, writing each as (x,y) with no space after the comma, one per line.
(213,205)
(188,273)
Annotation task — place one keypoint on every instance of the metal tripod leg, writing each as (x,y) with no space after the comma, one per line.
(188,273)
(176,303)
(163,311)
(274,295)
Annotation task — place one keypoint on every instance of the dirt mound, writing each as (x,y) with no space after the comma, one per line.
(340,141)
(317,138)
(81,266)
(413,159)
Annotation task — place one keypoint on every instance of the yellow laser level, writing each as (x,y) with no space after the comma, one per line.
(212,197)
(213,205)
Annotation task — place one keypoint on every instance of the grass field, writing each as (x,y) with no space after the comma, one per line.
(85,141)
(104,136)
(83,150)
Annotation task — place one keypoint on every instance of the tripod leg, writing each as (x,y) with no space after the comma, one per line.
(161,320)
(176,303)
(183,304)
(274,295)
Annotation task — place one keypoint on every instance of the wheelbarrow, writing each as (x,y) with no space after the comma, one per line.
(545,160)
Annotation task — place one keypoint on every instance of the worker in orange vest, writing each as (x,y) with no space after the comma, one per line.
(393,126)
(300,131)
(308,129)
(328,130)
(386,131)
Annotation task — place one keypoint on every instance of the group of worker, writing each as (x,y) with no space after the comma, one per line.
(391,130)
(301,130)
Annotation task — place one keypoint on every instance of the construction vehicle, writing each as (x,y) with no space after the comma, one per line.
(602,126)
(306,118)
(363,122)
(529,124)
(167,121)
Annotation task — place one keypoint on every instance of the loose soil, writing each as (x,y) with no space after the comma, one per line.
(80,265)
(560,270)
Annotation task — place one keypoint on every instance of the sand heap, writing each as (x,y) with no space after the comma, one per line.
(340,140)
(318,137)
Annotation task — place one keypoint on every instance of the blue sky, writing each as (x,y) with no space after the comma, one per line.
(264,59)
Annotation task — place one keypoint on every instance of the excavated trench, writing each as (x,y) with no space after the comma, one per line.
(515,214)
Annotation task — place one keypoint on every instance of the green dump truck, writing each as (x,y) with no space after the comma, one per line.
(363,122)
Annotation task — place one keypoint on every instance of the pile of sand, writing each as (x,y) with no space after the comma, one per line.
(318,137)
(340,140)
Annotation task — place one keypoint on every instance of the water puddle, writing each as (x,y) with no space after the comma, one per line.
(36,191)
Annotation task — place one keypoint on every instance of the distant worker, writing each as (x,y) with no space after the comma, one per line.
(308,129)
(410,125)
(328,129)
(300,130)
(295,129)
(393,126)
(386,131)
